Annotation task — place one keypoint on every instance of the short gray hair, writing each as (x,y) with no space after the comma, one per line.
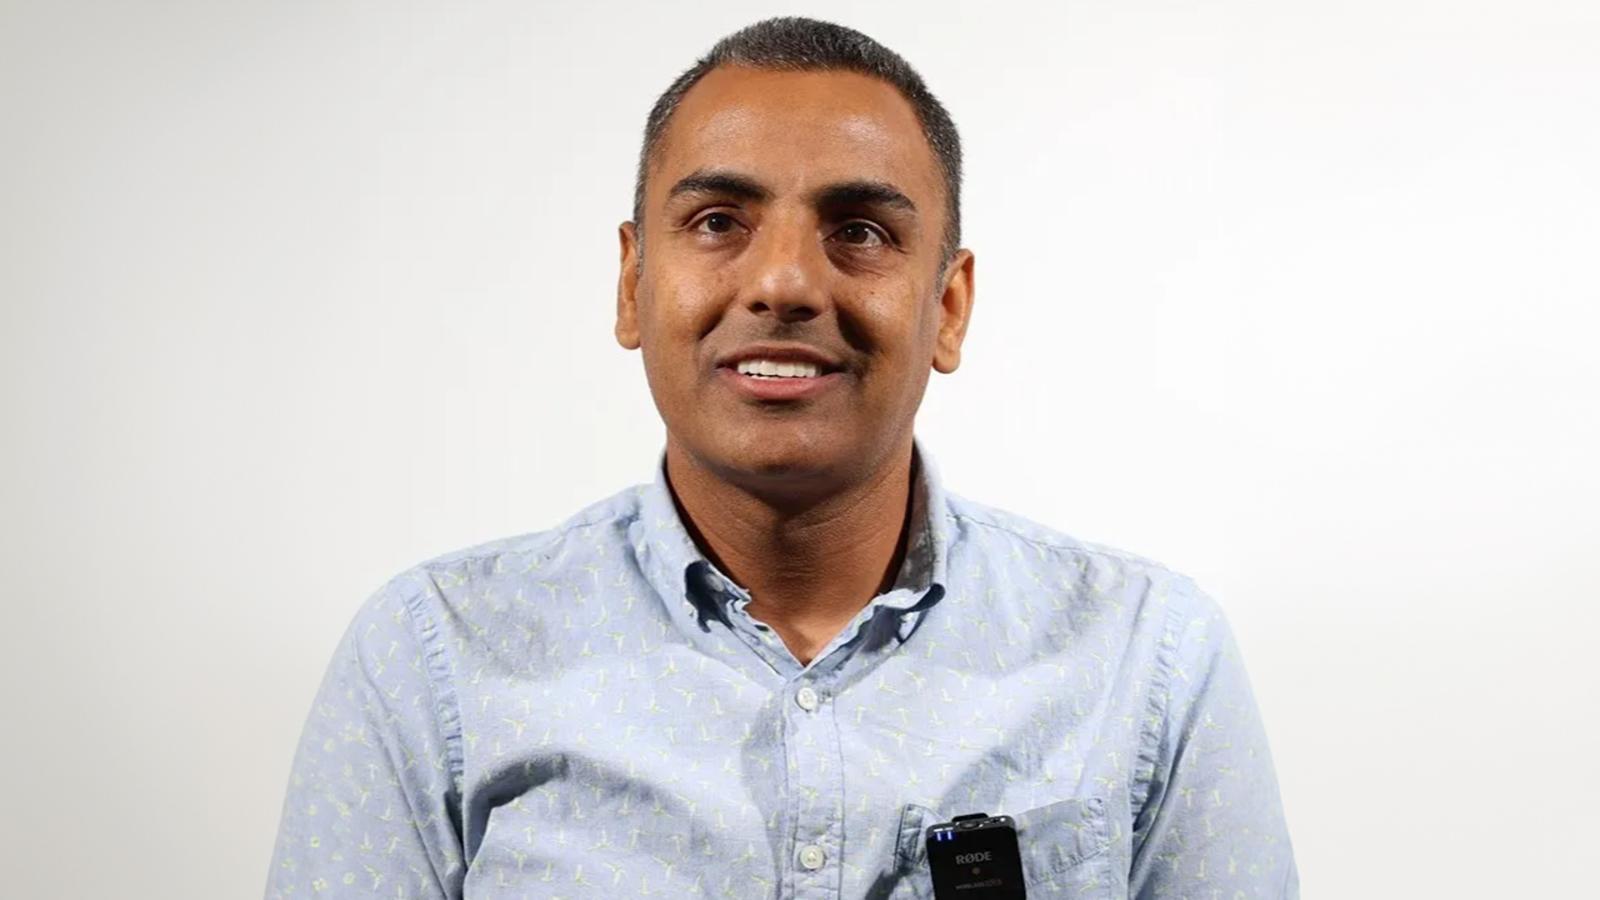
(793,43)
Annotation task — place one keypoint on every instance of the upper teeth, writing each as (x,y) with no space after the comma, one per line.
(780,369)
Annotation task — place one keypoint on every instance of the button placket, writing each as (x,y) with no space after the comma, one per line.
(817,801)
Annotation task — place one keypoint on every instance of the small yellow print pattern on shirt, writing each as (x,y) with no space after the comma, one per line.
(590,712)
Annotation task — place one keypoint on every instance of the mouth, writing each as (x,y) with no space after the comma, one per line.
(775,368)
(779,377)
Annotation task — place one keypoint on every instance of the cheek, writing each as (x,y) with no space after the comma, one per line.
(670,319)
(674,315)
(901,327)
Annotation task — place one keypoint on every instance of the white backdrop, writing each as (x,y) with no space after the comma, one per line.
(1297,298)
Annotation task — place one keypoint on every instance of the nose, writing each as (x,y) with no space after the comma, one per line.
(788,273)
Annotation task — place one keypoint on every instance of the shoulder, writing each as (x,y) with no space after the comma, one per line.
(995,532)
(1063,583)
(460,577)
(594,523)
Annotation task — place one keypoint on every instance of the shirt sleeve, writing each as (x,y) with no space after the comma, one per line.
(371,805)
(1213,821)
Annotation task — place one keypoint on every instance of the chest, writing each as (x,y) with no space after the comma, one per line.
(675,772)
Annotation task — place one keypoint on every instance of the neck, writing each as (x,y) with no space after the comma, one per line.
(810,560)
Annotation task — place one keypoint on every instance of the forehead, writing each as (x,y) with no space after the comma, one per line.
(797,130)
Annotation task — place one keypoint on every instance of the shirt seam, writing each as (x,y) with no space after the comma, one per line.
(1158,706)
(467,555)
(373,695)
(446,706)
(1071,545)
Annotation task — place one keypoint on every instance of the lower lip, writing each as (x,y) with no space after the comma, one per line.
(779,388)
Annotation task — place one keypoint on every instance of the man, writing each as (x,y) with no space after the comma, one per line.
(768,672)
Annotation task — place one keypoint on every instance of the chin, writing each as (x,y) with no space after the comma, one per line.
(769,454)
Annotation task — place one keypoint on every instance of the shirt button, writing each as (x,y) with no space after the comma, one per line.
(807,698)
(812,857)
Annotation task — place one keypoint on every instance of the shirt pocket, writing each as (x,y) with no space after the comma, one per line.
(1065,850)
(912,879)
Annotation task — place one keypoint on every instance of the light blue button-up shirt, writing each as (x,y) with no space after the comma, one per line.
(590,711)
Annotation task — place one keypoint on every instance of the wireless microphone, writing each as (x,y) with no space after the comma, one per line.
(975,857)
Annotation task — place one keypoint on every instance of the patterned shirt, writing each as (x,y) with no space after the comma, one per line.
(590,711)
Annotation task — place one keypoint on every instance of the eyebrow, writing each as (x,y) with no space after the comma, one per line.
(743,187)
(730,184)
(863,193)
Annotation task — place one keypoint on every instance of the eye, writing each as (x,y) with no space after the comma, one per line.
(861,234)
(716,223)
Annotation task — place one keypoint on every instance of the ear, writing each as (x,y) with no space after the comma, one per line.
(955,311)
(627,327)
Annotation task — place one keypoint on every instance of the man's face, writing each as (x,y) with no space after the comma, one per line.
(793,296)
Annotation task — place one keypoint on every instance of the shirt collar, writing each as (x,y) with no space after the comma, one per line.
(696,592)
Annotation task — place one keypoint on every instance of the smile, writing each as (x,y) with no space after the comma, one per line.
(803,381)
(769,368)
